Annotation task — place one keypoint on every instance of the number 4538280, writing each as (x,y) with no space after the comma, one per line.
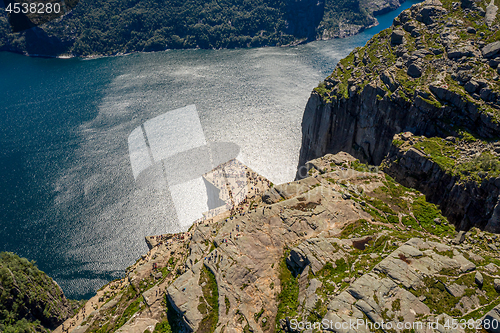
(33,8)
(472,324)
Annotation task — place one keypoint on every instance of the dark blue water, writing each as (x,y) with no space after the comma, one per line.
(68,199)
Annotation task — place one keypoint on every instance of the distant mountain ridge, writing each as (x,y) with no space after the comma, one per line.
(110,27)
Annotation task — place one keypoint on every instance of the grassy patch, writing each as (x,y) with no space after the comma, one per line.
(323,91)
(397,143)
(318,312)
(228,304)
(211,301)
(361,167)
(163,327)
(134,307)
(484,166)
(425,212)
(445,154)
(352,227)
(437,298)
(440,151)
(258,315)
(28,297)
(288,297)
(335,274)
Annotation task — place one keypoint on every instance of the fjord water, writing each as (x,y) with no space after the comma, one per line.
(68,199)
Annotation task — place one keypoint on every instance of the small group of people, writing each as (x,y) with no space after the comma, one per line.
(166,239)
(161,238)
(213,256)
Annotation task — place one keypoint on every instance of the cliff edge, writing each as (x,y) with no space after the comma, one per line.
(344,245)
(433,74)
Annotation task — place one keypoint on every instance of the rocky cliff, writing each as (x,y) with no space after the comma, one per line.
(460,175)
(345,244)
(435,74)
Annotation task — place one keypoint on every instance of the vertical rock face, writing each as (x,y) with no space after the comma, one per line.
(362,124)
(431,75)
(466,203)
(304,16)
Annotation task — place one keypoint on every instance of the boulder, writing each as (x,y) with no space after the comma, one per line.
(290,190)
(414,71)
(311,296)
(436,51)
(494,62)
(492,268)
(397,37)
(491,49)
(491,13)
(478,278)
(490,318)
(462,51)
(460,237)
(410,26)
(455,290)
(184,295)
(494,222)
(471,30)
(463,76)
(271,196)
(487,95)
(476,257)
(341,158)
(465,265)
(496,285)
(428,13)
(467,3)
(442,91)
(471,86)
(388,79)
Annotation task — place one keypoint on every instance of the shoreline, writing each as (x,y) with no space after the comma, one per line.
(346,33)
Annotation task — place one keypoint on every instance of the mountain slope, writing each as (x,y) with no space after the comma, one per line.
(346,243)
(29,299)
(107,27)
(434,75)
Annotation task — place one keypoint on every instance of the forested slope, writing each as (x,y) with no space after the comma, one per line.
(30,301)
(110,27)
